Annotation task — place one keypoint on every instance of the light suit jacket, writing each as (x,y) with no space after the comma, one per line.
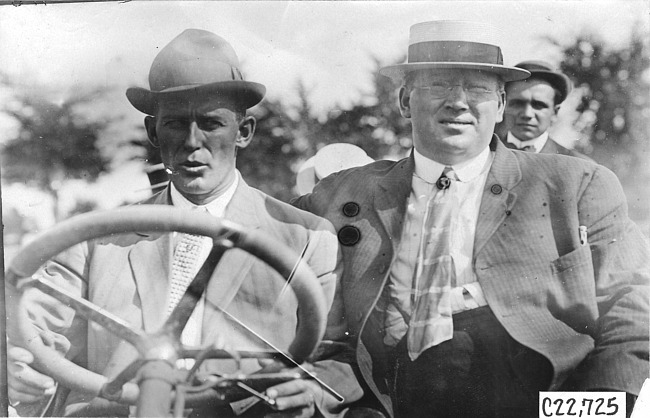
(128,276)
(582,305)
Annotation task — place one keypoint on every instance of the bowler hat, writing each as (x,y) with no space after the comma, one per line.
(443,44)
(545,71)
(195,62)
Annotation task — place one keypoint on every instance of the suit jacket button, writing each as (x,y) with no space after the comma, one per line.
(496,189)
(350,209)
(349,235)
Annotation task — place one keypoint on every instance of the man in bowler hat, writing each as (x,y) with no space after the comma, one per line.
(476,276)
(531,110)
(196,115)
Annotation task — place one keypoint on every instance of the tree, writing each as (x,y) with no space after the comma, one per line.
(374,124)
(280,143)
(614,108)
(614,115)
(55,141)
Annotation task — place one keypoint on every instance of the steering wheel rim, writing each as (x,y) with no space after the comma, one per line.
(312,314)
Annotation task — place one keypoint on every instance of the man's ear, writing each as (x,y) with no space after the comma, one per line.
(405,102)
(150,126)
(501,106)
(246,131)
(556,109)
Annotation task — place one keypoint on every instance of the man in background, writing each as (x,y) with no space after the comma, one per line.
(532,106)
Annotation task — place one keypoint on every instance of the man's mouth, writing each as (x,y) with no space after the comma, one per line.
(455,122)
(192,166)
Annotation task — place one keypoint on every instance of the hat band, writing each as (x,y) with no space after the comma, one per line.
(454,51)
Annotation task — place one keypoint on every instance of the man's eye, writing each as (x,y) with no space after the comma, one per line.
(174,124)
(478,89)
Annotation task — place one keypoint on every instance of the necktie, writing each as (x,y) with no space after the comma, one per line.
(184,267)
(529,148)
(430,322)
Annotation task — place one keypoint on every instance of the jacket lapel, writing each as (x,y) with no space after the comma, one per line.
(233,268)
(390,201)
(550,147)
(150,260)
(498,198)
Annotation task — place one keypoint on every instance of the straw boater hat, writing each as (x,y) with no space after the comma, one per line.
(544,71)
(195,62)
(444,44)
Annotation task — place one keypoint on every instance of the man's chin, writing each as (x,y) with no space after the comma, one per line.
(524,135)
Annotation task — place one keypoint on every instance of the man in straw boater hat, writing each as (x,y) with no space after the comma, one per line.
(196,114)
(476,276)
(532,108)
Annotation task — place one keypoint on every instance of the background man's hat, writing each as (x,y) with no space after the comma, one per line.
(545,71)
(330,159)
(195,62)
(445,44)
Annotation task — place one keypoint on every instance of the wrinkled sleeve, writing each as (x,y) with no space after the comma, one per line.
(56,324)
(621,261)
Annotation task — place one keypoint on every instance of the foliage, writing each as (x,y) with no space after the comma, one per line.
(378,128)
(614,112)
(54,140)
(267,162)
(286,137)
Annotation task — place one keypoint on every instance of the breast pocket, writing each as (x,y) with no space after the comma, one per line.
(572,292)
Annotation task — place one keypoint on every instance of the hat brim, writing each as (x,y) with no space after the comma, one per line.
(558,81)
(398,72)
(245,93)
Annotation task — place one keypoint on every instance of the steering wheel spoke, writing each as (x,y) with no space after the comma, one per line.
(90,311)
(181,313)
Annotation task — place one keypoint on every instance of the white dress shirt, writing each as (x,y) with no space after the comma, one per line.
(217,207)
(467,293)
(538,143)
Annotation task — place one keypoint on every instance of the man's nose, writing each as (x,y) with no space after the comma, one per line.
(194,136)
(527,111)
(457,97)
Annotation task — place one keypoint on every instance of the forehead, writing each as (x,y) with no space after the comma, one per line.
(538,89)
(454,75)
(197,104)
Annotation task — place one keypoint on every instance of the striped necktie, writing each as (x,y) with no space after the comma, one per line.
(434,274)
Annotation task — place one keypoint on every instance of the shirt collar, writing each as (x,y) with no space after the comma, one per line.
(429,170)
(217,207)
(538,142)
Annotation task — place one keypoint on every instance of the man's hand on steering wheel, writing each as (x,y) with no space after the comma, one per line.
(25,385)
(294,398)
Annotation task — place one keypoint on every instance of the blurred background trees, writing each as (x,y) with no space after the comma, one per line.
(58,141)
(613,112)
(55,141)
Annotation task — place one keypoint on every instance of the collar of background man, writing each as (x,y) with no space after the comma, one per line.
(538,142)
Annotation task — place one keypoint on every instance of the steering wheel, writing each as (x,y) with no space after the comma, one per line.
(162,347)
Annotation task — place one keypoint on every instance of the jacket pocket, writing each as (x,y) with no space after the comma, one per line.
(572,261)
(572,293)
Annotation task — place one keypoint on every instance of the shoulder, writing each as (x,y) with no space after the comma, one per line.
(286,213)
(568,175)
(554,147)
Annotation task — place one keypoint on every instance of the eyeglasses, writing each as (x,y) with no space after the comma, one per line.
(442,91)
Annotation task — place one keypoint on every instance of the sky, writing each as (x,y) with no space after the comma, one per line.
(329,46)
